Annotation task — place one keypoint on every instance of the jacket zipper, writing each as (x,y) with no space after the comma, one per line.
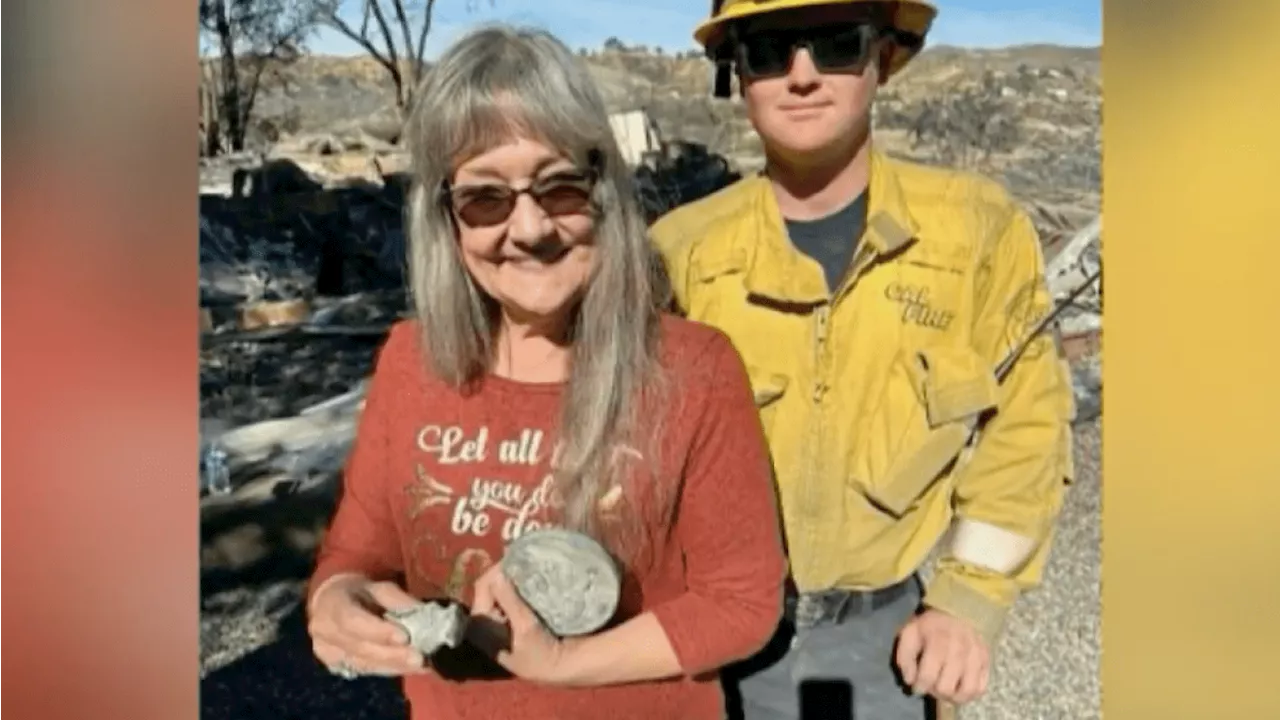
(822,330)
(822,318)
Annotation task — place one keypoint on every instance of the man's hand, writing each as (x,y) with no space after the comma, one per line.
(944,656)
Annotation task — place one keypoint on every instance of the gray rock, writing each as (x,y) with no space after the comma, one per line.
(567,578)
(1086,377)
(431,626)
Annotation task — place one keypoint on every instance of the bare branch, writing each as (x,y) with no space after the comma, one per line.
(420,52)
(365,17)
(388,45)
(381,19)
(284,46)
(253,40)
(332,19)
(402,19)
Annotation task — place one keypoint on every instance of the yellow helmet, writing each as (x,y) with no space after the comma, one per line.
(909,20)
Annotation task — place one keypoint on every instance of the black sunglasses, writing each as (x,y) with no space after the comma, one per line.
(768,53)
(486,205)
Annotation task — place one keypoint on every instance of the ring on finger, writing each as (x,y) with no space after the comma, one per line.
(344,670)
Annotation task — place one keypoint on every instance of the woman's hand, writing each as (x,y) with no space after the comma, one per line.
(348,632)
(506,628)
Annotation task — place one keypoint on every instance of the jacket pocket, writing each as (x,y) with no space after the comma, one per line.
(945,391)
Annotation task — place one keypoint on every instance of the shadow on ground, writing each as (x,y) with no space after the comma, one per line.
(283,681)
(255,547)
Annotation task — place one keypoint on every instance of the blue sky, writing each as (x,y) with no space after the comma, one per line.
(669,23)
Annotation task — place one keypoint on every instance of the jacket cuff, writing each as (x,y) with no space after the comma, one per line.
(983,601)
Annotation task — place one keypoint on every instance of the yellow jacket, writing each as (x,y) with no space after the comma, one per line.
(865,393)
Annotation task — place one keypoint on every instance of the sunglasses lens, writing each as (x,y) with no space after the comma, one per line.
(564,198)
(769,53)
(483,207)
(491,205)
(841,50)
(766,54)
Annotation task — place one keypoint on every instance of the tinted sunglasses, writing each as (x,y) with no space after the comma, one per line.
(768,53)
(486,205)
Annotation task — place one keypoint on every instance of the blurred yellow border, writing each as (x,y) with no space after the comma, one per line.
(1191,472)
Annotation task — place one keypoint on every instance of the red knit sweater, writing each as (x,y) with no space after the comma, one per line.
(439,481)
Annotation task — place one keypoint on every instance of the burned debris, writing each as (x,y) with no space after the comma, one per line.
(302,246)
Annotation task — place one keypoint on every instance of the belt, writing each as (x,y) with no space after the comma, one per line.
(806,610)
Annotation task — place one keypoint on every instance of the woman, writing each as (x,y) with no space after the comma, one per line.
(541,384)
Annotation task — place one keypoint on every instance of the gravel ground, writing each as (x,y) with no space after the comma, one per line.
(256,662)
(1048,661)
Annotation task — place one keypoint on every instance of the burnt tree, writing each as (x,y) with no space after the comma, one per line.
(247,40)
(392,32)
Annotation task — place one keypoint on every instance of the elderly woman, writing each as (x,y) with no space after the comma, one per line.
(542,385)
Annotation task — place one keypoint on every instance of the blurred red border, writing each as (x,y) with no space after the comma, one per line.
(100,528)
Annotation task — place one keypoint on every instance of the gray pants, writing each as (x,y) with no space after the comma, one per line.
(838,664)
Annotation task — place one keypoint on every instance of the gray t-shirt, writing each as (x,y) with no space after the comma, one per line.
(831,240)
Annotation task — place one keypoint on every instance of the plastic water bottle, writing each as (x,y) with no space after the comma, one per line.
(217,476)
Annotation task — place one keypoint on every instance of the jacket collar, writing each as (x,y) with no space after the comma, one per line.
(775,269)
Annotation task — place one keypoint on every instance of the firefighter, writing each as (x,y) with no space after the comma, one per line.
(873,301)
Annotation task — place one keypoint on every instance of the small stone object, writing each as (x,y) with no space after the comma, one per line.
(431,626)
(567,578)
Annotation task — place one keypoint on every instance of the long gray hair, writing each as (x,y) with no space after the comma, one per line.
(493,84)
